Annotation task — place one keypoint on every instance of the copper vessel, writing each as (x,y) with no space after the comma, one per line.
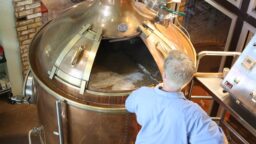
(87,61)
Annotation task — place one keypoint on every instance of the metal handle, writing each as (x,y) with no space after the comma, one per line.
(204,74)
(77,55)
(59,121)
(25,84)
(214,53)
(28,88)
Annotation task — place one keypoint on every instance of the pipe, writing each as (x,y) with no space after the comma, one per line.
(36,131)
(29,136)
(172,11)
(41,139)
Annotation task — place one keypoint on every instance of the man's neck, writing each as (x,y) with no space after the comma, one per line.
(169,89)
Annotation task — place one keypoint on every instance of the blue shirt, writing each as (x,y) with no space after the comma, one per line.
(169,118)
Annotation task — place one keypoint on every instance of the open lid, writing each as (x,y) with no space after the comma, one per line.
(66,47)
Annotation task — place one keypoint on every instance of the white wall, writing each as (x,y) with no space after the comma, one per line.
(8,39)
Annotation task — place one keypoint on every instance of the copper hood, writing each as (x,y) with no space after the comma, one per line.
(88,60)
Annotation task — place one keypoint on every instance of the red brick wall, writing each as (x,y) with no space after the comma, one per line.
(28,22)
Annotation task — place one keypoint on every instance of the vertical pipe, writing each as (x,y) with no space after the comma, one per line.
(59,121)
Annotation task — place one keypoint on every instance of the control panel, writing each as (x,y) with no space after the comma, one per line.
(240,81)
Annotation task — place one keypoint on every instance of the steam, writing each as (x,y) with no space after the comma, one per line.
(115,81)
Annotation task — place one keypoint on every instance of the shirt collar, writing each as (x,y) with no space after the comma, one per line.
(177,95)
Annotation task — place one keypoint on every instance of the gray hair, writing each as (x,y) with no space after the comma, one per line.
(179,69)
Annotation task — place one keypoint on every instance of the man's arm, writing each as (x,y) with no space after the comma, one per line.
(205,130)
(130,103)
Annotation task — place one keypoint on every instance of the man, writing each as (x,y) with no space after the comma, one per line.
(165,115)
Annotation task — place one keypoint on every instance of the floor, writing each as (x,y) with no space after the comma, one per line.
(15,122)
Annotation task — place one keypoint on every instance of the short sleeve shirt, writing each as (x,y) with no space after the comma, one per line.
(169,118)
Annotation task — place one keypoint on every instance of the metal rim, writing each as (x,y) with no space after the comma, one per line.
(77,104)
(25,83)
(189,41)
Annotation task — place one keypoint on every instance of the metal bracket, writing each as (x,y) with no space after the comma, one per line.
(59,121)
(90,60)
(162,43)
